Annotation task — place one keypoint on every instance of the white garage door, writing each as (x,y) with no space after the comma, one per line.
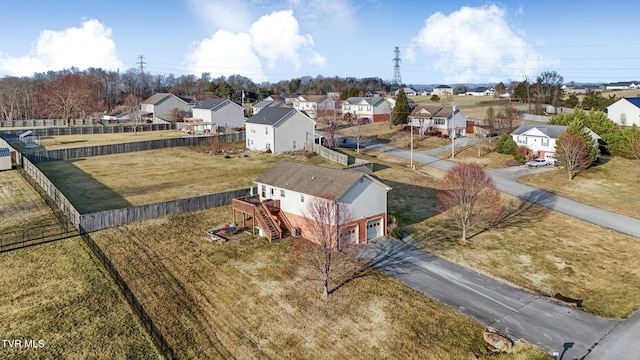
(349,236)
(374,228)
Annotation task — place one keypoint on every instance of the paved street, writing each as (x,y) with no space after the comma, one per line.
(539,321)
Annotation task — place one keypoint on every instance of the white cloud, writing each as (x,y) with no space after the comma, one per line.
(477,44)
(277,37)
(226,53)
(229,15)
(88,46)
(274,37)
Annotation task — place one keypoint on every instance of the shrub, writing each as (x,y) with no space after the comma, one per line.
(506,145)
(519,158)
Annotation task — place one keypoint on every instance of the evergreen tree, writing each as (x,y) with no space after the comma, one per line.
(401,110)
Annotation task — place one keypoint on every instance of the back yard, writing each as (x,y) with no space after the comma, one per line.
(117,181)
(245,299)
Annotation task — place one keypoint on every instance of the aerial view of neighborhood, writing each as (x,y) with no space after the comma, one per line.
(251,179)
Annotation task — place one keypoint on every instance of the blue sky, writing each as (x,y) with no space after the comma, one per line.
(445,42)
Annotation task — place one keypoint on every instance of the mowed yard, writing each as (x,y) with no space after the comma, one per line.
(542,251)
(245,299)
(58,292)
(123,180)
(73,141)
(21,208)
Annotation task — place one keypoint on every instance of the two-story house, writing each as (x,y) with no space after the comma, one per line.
(315,105)
(279,129)
(541,139)
(376,109)
(162,106)
(223,113)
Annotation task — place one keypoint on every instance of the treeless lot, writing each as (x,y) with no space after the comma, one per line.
(72,141)
(58,293)
(611,185)
(122,180)
(20,206)
(243,299)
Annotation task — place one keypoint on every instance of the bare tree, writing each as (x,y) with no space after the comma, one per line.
(325,222)
(470,197)
(132,105)
(69,96)
(359,134)
(490,121)
(572,152)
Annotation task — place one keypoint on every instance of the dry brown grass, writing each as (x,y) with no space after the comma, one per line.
(242,299)
(72,141)
(489,158)
(547,253)
(117,181)
(396,136)
(611,185)
(20,206)
(59,293)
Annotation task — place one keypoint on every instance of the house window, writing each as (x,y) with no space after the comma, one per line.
(263,191)
(294,145)
(248,142)
(301,197)
(281,192)
(438,121)
(273,191)
(521,139)
(267,146)
(266,130)
(253,129)
(545,142)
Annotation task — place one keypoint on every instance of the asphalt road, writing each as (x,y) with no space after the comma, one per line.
(551,326)
(505,183)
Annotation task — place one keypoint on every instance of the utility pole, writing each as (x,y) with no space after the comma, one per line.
(141,63)
(453,131)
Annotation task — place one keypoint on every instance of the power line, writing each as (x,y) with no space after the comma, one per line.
(141,63)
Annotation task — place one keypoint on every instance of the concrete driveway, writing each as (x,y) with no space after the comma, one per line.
(552,326)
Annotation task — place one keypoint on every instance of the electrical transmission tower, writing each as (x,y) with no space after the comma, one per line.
(141,63)
(397,81)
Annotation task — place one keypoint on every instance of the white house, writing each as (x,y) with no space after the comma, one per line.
(161,106)
(315,105)
(289,186)
(481,91)
(442,90)
(622,85)
(407,91)
(375,108)
(541,139)
(279,129)
(221,112)
(625,112)
(439,119)
(5,159)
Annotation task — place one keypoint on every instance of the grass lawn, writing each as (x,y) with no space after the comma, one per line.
(395,136)
(122,180)
(489,158)
(20,205)
(534,248)
(243,299)
(59,293)
(611,185)
(73,141)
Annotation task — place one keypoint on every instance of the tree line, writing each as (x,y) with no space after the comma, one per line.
(75,94)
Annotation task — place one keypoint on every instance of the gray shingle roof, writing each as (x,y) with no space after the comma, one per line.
(312,179)
(209,103)
(271,115)
(552,131)
(373,101)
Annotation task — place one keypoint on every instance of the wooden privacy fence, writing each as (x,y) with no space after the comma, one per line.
(61,201)
(110,218)
(100,150)
(335,156)
(45,122)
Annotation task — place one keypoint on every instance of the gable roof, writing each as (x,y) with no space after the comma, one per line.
(373,101)
(264,103)
(313,98)
(634,100)
(210,104)
(443,87)
(271,115)
(313,179)
(552,131)
(160,97)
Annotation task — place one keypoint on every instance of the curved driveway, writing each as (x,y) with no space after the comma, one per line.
(549,325)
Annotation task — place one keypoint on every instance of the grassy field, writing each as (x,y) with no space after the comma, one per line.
(489,158)
(72,141)
(20,206)
(395,136)
(611,185)
(243,299)
(534,248)
(122,180)
(58,293)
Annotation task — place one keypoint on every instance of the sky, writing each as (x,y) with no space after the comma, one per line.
(445,42)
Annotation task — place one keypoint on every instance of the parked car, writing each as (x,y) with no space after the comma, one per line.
(539,162)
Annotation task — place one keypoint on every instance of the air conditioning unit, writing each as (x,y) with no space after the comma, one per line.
(295,232)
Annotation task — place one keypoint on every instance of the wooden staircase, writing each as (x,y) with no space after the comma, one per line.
(270,225)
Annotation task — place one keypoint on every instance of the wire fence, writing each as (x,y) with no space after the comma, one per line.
(18,239)
(146,320)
